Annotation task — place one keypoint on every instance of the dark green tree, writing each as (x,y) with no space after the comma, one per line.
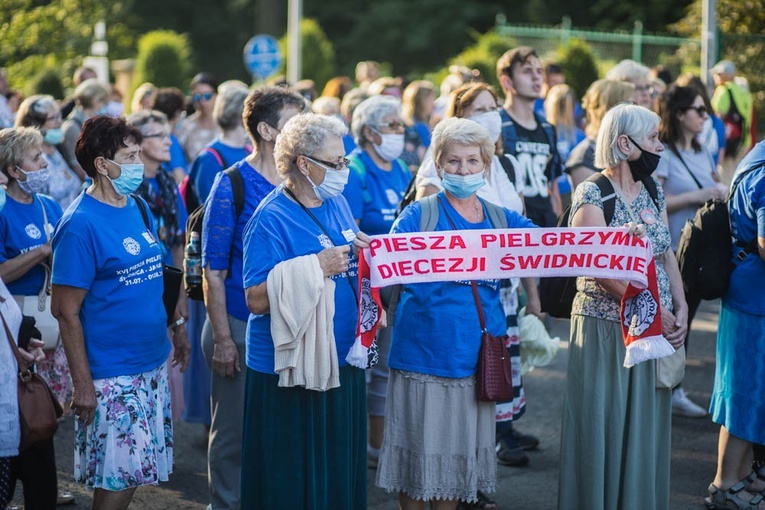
(318,55)
(163,59)
(579,65)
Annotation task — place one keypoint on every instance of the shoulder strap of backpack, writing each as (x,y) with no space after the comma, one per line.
(142,208)
(217,155)
(356,166)
(653,190)
(237,188)
(429,217)
(496,214)
(607,195)
(733,108)
(507,166)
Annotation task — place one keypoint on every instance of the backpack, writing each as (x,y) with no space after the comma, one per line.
(510,137)
(196,219)
(359,169)
(734,126)
(556,294)
(428,220)
(189,195)
(705,248)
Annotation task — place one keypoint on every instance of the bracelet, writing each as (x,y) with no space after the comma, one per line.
(179,322)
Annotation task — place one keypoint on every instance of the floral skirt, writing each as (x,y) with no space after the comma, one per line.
(130,442)
(55,370)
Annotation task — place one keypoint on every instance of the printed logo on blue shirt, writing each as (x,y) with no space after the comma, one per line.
(349,235)
(325,241)
(393,197)
(33,231)
(131,246)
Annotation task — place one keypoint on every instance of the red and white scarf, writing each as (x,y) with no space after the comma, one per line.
(506,253)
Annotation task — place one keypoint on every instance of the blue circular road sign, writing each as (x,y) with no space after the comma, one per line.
(262,56)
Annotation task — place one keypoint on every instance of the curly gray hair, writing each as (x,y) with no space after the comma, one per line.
(371,112)
(304,135)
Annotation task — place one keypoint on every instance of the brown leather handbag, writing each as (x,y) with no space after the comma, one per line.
(494,375)
(38,408)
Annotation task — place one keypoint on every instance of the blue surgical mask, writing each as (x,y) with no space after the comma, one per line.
(37,182)
(131,176)
(463,186)
(54,136)
(333,183)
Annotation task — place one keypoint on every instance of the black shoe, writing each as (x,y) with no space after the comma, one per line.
(525,441)
(510,453)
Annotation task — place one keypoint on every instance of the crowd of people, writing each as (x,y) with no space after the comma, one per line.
(286,186)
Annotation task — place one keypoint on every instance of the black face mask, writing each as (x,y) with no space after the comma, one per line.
(645,165)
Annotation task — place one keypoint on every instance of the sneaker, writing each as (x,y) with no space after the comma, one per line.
(510,453)
(683,406)
(64,498)
(525,441)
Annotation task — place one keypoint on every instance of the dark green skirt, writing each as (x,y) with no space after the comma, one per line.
(304,449)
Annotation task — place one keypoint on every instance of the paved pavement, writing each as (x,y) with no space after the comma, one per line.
(694,442)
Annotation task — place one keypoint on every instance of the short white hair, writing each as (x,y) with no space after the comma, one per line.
(229,105)
(629,71)
(623,119)
(371,112)
(304,135)
(458,131)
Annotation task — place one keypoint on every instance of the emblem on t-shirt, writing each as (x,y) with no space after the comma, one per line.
(131,246)
(325,241)
(349,235)
(33,231)
(149,238)
(393,197)
(648,216)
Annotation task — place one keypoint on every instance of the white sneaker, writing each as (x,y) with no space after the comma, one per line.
(683,406)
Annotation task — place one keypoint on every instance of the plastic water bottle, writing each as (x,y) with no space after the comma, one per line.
(192,262)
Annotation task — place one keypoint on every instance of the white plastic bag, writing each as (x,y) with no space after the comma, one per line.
(537,348)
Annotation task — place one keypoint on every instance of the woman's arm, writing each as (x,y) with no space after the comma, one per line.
(533,305)
(695,197)
(257,299)
(13,269)
(225,353)
(65,305)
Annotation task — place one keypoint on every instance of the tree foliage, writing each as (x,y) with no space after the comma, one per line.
(318,55)
(163,59)
(579,65)
(483,54)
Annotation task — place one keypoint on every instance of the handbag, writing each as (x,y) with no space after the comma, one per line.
(39,410)
(39,306)
(670,370)
(494,375)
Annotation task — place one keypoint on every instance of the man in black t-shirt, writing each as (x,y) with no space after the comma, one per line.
(528,140)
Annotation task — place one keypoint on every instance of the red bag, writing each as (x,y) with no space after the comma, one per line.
(494,376)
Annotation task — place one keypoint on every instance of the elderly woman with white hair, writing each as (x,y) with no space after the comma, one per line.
(305,430)
(439,439)
(638,75)
(616,434)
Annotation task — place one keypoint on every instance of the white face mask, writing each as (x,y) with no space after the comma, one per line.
(491,121)
(333,184)
(391,145)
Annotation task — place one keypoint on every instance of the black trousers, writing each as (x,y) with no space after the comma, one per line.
(36,468)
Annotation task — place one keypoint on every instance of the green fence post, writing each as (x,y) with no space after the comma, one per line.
(637,42)
(565,31)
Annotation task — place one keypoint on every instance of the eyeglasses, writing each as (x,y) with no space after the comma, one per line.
(342,165)
(393,125)
(54,117)
(700,110)
(199,97)
(162,136)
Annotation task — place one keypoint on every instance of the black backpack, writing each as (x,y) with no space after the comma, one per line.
(196,219)
(705,248)
(556,294)
(188,193)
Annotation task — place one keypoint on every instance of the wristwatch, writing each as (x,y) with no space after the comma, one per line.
(181,321)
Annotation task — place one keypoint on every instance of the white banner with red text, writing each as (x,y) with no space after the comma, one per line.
(515,253)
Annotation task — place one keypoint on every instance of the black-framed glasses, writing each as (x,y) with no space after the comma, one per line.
(162,136)
(700,110)
(342,165)
(199,97)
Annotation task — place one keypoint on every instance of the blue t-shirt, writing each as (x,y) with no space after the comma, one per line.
(159,221)
(222,231)
(281,230)
(437,330)
(747,218)
(207,165)
(108,251)
(719,126)
(177,156)
(22,230)
(376,206)
(349,144)
(424,131)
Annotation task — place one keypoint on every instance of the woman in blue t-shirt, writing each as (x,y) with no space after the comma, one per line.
(304,448)
(266,110)
(436,339)
(107,297)
(738,402)
(26,223)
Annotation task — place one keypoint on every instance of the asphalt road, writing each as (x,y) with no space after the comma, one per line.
(694,443)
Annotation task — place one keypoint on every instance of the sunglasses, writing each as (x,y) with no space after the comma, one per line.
(701,110)
(342,165)
(202,97)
